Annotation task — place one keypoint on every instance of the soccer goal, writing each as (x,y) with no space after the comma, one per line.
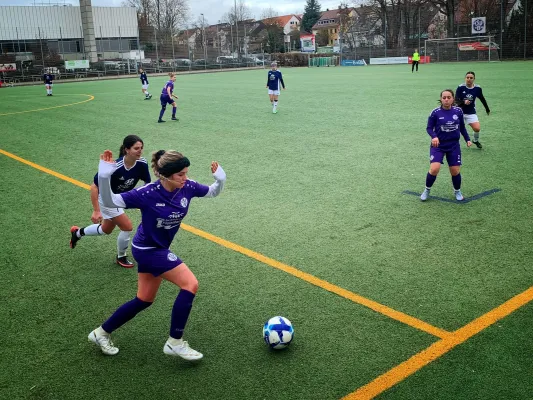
(471,48)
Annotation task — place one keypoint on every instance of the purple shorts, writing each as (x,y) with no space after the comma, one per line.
(453,155)
(155,261)
(166,100)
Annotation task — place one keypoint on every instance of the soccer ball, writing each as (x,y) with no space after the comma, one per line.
(278,332)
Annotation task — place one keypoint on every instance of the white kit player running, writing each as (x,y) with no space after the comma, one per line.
(131,168)
(274,80)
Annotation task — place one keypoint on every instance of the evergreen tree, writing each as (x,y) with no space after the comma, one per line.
(311,15)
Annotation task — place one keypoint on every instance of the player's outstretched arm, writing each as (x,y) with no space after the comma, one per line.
(105,169)
(220,179)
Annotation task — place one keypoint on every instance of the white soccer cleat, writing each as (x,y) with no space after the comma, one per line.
(181,349)
(104,341)
(425,194)
(458,195)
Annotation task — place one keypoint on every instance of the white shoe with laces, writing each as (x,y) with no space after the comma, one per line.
(180,348)
(103,339)
(458,195)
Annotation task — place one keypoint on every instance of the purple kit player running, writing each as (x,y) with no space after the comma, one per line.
(167,97)
(445,126)
(163,206)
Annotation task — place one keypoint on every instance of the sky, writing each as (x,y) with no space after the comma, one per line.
(213,10)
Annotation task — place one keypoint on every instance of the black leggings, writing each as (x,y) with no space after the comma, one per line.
(413,66)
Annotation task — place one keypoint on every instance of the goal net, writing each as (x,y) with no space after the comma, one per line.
(472,48)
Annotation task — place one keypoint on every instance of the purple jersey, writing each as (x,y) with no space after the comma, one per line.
(448,126)
(463,93)
(170,85)
(162,211)
(124,179)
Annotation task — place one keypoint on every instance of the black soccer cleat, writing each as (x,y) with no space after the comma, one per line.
(175,119)
(124,262)
(160,120)
(478,145)
(73,236)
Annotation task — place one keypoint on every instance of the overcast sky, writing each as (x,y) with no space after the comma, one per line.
(212,9)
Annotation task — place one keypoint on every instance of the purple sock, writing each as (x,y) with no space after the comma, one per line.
(180,313)
(456,180)
(173,112)
(430,180)
(161,113)
(124,313)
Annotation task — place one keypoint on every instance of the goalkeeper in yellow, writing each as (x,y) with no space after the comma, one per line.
(415,60)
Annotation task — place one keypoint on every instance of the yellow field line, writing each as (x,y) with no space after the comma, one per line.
(380,308)
(91,97)
(438,349)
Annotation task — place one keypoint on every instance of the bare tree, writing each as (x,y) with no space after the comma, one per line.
(269,13)
(239,13)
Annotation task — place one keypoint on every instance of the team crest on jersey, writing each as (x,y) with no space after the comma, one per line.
(184,202)
(172,257)
(455,117)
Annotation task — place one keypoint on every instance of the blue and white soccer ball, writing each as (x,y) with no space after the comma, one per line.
(278,332)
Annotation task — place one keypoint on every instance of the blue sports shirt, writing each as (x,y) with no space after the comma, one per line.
(274,79)
(465,93)
(144,78)
(124,179)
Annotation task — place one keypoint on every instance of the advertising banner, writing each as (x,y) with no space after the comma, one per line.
(77,64)
(8,67)
(389,60)
(353,63)
(307,43)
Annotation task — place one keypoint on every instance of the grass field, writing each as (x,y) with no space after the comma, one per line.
(390,297)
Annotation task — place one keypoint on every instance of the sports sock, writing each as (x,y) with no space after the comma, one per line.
(91,230)
(123,241)
(124,313)
(430,180)
(456,180)
(180,313)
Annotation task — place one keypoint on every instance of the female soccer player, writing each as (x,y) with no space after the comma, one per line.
(131,168)
(167,97)
(465,97)
(48,79)
(144,83)
(445,126)
(273,81)
(163,206)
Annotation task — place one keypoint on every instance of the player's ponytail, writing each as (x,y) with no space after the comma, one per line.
(166,163)
(128,142)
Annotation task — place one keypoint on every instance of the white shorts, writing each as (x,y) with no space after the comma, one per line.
(274,92)
(145,87)
(48,84)
(108,213)
(470,118)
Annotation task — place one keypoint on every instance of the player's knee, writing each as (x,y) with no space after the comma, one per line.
(434,169)
(191,285)
(107,229)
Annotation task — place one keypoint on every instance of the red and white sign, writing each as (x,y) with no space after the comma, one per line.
(470,46)
(8,67)
(423,60)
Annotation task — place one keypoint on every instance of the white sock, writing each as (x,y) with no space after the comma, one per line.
(123,241)
(175,342)
(476,136)
(100,331)
(93,230)
(275,105)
